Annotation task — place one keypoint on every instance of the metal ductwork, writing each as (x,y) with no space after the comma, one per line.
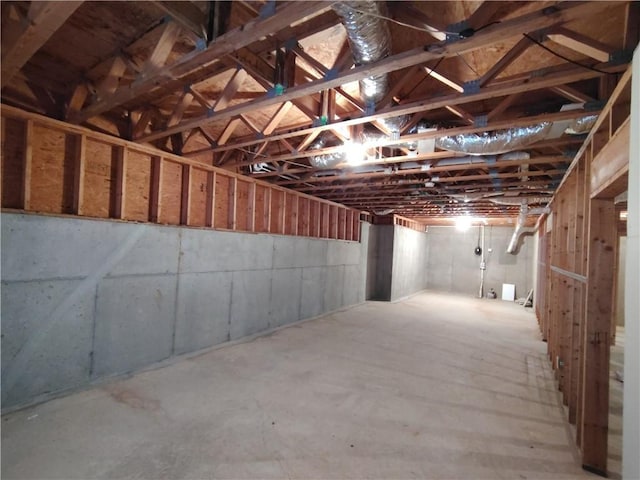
(520,229)
(326,160)
(370,41)
(581,125)
(494,142)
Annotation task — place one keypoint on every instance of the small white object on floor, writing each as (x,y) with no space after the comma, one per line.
(508,291)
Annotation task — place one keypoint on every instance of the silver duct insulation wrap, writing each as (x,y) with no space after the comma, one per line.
(326,160)
(519,200)
(370,41)
(581,125)
(495,142)
(520,229)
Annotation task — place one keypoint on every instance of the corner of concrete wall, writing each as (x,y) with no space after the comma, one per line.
(454,267)
(410,254)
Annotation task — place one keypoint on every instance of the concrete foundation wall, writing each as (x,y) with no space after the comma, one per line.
(453,266)
(84,299)
(410,254)
(397,262)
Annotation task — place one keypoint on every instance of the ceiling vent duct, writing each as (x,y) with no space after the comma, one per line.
(370,41)
(520,229)
(326,160)
(494,142)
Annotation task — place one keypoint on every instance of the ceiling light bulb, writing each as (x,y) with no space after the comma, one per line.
(354,152)
(463,223)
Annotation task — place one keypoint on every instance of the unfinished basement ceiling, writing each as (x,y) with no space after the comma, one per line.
(267,88)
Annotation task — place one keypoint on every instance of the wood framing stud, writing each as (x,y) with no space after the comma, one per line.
(27,164)
(155,197)
(119,199)
(79,170)
(185,202)
(602,237)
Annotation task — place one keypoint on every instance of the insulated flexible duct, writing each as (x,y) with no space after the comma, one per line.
(370,41)
(494,142)
(520,229)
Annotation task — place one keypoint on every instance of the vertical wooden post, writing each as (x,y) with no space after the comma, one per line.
(119,201)
(78,174)
(595,414)
(267,209)
(155,200)
(296,218)
(211,199)
(28,161)
(576,306)
(251,220)
(283,214)
(307,228)
(233,202)
(584,265)
(185,204)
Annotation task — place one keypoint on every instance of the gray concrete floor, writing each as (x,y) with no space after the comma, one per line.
(436,386)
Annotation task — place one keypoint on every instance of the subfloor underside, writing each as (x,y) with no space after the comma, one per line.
(435,386)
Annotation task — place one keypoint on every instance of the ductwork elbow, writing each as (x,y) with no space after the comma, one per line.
(520,229)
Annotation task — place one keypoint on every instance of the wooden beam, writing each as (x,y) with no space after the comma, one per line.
(162,50)
(460,112)
(496,125)
(206,135)
(43,20)
(252,126)
(483,14)
(142,123)
(408,77)
(78,176)
(534,82)
(631,26)
(443,79)
(186,14)
(405,12)
(571,94)
(110,82)
(200,98)
(580,43)
(307,140)
(230,89)
(228,131)
(505,103)
(277,118)
(180,108)
(506,60)
(595,397)
(231,41)
(77,99)
(563,12)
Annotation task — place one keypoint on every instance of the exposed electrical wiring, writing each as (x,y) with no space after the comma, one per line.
(390,19)
(559,55)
